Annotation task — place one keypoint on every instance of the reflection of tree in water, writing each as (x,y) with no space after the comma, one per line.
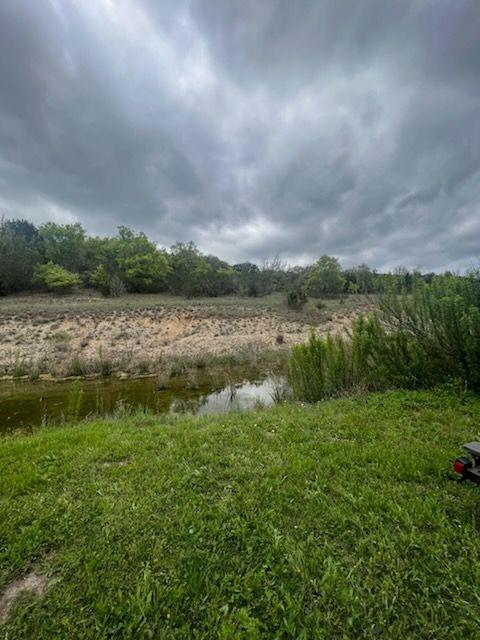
(188,405)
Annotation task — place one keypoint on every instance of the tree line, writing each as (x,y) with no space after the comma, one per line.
(60,257)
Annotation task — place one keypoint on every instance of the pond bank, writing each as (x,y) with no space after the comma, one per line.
(144,340)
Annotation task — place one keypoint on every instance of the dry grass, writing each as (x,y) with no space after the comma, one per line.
(96,335)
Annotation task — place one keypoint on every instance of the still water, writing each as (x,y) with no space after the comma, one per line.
(24,404)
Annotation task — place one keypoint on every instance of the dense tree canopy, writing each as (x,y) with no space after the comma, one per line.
(64,244)
(61,257)
(20,251)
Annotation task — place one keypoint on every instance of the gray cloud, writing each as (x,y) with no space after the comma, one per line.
(253,128)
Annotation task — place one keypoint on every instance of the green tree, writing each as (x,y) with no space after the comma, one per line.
(19,253)
(190,270)
(220,279)
(64,244)
(360,279)
(55,278)
(247,279)
(325,277)
(141,266)
(130,259)
(109,284)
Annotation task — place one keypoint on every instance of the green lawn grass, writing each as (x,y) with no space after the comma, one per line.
(340,520)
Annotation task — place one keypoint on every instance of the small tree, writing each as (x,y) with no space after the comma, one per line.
(325,277)
(19,252)
(190,270)
(138,261)
(64,244)
(109,285)
(55,278)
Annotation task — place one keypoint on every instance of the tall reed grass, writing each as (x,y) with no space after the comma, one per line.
(423,339)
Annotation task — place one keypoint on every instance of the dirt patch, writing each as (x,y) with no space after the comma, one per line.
(115,463)
(31,583)
(144,340)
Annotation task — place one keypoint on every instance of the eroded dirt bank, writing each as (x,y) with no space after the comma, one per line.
(143,339)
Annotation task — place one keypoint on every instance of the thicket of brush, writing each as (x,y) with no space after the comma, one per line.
(422,339)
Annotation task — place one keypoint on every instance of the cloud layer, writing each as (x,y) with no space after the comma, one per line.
(253,128)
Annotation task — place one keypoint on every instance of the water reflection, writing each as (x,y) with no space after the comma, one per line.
(23,404)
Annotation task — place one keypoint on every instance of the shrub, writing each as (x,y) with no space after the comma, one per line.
(418,340)
(296,299)
(109,285)
(60,336)
(55,278)
(117,287)
(77,367)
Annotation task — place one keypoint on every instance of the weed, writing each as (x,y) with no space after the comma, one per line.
(21,368)
(75,400)
(103,364)
(77,367)
(144,367)
(60,336)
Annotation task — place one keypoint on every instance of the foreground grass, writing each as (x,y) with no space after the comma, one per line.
(340,520)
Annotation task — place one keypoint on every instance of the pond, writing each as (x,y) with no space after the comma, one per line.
(24,404)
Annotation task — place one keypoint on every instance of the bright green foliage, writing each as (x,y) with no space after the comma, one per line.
(419,340)
(140,264)
(19,253)
(64,244)
(334,521)
(325,277)
(128,261)
(101,280)
(55,278)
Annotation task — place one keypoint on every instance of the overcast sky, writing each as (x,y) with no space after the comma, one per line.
(253,127)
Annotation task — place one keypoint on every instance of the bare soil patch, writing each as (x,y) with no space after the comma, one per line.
(31,583)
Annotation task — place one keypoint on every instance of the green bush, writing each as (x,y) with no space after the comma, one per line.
(109,285)
(420,340)
(296,299)
(55,278)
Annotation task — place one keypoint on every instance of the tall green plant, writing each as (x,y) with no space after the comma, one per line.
(419,340)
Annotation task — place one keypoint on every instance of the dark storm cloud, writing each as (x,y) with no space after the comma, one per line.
(254,128)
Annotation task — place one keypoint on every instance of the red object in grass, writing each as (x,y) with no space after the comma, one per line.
(461,465)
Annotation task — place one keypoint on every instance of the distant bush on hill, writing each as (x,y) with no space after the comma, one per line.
(55,278)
